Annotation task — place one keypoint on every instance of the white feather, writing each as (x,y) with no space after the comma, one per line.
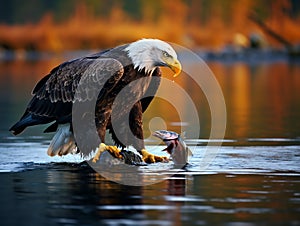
(145,52)
(63,142)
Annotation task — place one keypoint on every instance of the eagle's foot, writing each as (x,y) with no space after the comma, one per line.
(150,158)
(113,150)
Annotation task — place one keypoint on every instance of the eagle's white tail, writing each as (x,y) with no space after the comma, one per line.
(63,142)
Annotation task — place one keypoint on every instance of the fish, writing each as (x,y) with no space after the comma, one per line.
(176,147)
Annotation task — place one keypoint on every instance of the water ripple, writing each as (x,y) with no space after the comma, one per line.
(279,160)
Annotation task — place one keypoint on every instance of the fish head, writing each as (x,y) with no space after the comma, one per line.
(166,135)
(170,138)
(176,146)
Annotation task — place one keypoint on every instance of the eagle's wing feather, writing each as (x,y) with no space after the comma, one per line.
(152,89)
(54,94)
(132,102)
(62,84)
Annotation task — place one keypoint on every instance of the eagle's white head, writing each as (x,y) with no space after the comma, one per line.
(150,53)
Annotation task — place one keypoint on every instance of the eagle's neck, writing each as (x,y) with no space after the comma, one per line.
(141,58)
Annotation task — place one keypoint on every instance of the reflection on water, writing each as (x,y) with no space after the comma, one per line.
(254,180)
(75,195)
(262,100)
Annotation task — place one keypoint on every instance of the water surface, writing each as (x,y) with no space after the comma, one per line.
(253,180)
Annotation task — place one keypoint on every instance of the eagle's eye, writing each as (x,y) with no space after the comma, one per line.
(166,54)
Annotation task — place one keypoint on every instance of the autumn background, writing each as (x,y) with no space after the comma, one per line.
(69,25)
(252,49)
(248,40)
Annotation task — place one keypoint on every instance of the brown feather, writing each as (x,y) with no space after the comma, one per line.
(79,80)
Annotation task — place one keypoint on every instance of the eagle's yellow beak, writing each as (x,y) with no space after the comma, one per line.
(175,67)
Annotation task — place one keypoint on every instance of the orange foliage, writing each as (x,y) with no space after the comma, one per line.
(176,22)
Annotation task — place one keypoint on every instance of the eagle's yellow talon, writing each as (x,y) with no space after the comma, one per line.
(150,158)
(113,150)
(101,149)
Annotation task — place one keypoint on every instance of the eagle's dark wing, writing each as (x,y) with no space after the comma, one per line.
(127,121)
(54,94)
(136,119)
(151,91)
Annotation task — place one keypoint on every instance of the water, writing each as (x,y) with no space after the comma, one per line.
(253,180)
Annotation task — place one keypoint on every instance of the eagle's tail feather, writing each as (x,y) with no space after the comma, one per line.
(63,142)
(24,122)
(29,119)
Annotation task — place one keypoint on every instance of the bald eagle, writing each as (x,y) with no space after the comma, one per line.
(115,68)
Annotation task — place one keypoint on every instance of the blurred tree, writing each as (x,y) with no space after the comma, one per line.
(150,10)
(295,9)
(117,14)
(15,11)
(62,10)
(195,7)
(240,11)
(173,19)
(279,12)
(173,12)
(199,11)
(184,21)
(133,8)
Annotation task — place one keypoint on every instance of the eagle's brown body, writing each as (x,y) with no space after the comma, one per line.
(53,95)
(101,77)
